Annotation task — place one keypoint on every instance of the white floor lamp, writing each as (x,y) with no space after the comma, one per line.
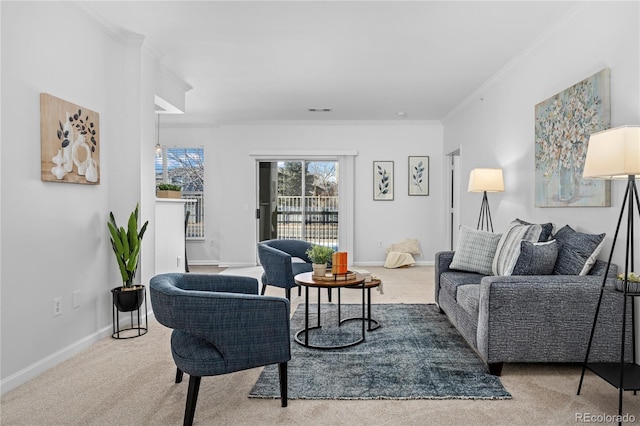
(485,180)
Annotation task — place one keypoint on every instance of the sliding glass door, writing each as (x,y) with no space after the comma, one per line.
(298,199)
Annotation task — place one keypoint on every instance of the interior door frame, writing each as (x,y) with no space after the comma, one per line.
(452,202)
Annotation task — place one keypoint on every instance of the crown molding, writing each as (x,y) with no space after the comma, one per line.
(218,124)
(108,27)
(173,77)
(402,122)
(517,60)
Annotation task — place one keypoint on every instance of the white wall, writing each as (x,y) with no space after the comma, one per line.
(231,184)
(499,130)
(54,236)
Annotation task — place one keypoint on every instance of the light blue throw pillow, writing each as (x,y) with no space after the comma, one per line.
(475,251)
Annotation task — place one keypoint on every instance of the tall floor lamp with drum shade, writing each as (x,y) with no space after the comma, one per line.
(485,180)
(615,154)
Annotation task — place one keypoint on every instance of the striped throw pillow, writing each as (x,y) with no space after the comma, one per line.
(508,249)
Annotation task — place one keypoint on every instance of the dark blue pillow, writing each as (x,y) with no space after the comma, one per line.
(536,258)
(577,251)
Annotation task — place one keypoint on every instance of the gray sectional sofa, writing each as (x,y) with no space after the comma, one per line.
(533,318)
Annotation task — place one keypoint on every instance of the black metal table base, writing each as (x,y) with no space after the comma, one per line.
(308,328)
(372,324)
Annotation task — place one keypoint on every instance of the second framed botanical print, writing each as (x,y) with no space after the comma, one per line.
(418,175)
(383,180)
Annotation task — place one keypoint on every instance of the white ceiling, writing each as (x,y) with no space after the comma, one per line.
(273,60)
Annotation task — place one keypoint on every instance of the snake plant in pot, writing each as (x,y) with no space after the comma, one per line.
(126,244)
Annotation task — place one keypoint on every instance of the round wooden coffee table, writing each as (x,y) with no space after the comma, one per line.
(308,281)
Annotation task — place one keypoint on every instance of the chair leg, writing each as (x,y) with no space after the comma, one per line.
(192,398)
(287,292)
(282,373)
(264,288)
(178,375)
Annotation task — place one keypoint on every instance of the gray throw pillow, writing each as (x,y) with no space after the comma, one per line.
(547,229)
(508,248)
(475,251)
(577,251)
(536,258)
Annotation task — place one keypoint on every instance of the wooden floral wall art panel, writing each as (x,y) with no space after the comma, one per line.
(563,125)
(69,142)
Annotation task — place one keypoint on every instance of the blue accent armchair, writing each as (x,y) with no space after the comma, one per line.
(221,325)
(276,259)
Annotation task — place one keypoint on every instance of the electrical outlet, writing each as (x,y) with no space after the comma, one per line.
(380,243)
(57,306)
(76,299)
(178,261)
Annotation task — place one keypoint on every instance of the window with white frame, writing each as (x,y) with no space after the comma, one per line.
(185,167)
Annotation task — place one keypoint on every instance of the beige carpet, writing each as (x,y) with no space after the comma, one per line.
(131,382)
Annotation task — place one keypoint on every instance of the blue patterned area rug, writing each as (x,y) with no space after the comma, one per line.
(415,354)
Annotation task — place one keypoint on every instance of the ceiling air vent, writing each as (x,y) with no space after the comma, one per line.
(319,109)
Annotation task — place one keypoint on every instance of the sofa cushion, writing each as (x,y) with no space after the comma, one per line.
(547,229)
(475,251)
(536,258)
(577,251)
(450,281)
(508,249)
(468,297)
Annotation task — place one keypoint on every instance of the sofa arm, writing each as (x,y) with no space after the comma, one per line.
(443,260)
(547,319)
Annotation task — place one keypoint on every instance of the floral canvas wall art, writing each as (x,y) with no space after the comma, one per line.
(69,142)
(563,124)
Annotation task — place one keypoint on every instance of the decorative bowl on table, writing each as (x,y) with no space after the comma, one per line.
(633,282)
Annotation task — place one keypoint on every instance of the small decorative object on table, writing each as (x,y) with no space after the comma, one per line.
(633,282)
(349,275)
(339,263)
(319,256)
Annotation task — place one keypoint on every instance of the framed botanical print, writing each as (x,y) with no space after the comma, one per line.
(418,175)
(383,180)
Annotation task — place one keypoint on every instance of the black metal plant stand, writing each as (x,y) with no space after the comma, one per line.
(485,214)
(625,376)
(138,329)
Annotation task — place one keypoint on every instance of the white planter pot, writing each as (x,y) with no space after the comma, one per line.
(319,269)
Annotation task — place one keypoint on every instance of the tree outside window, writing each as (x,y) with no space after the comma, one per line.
(185,167)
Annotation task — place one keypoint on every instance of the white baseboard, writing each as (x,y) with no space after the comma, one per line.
(32,371)
(379,263)
(236,265)
(246,265)
(204,262)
